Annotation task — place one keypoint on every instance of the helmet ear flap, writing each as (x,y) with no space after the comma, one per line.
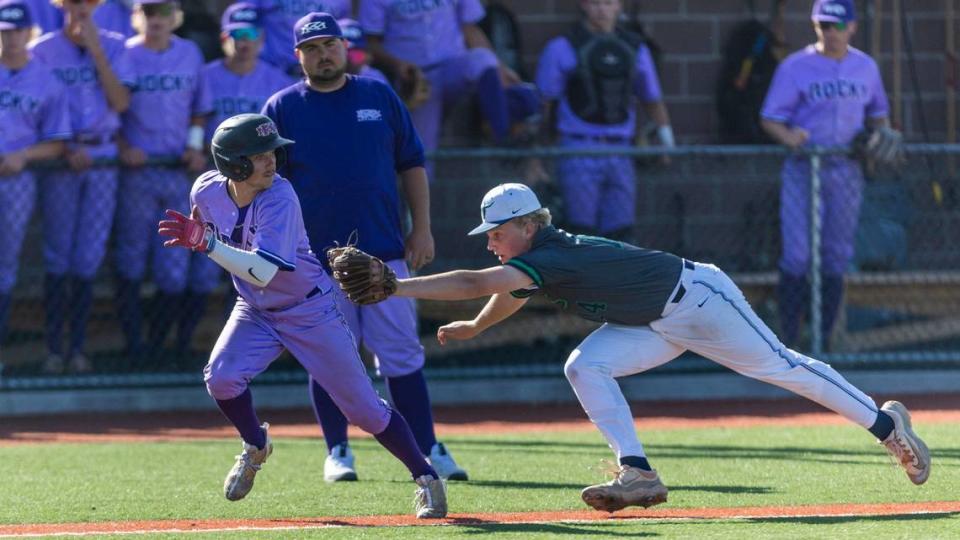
(237,169)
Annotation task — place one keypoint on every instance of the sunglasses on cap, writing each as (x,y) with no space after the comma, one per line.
(241,34)
(162,10)
(828,25)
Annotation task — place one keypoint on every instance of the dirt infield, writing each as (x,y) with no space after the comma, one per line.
(450,421)
(760,512)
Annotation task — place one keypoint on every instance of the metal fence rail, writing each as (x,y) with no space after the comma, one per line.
(718,204)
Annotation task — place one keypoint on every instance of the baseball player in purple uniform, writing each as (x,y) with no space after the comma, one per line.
(240,82)
(652,307)
(821,95)
(166,118)
(345,189)
(34,121)
(112,15)
(78,203)
(247,219)
(358,58)
(441,41)
(592,78)
(279,16)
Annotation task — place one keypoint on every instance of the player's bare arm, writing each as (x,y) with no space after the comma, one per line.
(464,284)
(14,162)
(474,37)
(497,309)
(400,68)
(792,138)
(419,245)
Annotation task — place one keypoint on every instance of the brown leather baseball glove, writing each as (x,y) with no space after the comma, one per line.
(365,278)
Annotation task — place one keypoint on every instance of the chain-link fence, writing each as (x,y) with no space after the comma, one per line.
(854,268)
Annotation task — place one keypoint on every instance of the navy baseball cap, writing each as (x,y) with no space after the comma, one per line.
(240,15)
(14,14)
(836,11)
(315,25)
(352,33)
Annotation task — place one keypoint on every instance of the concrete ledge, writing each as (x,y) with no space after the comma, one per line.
(651,387)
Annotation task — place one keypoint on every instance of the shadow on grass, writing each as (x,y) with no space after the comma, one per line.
(833,520)
(474,526)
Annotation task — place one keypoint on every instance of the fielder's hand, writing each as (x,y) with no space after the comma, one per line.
(457,330)
(188,232)
(365,278)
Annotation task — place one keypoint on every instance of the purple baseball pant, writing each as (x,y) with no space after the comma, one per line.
(316,335)
(599,193)
(17,196)
(841,188)
(388,329)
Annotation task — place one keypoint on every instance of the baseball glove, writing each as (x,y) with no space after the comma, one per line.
(414,90)
(879,147)
(365,278)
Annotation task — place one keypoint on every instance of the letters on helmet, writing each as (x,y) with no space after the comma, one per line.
(267,129)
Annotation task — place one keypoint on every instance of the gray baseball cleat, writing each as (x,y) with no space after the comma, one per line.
(430,498)
(239,480)
(443,463)
(904,445)
(631,487)
(338,467)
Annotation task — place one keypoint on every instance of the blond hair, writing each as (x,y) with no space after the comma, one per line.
(541,218)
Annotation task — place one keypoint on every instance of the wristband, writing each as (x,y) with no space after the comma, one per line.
(195,138)
(665,134)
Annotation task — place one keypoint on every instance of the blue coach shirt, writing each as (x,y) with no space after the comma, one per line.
(350,144)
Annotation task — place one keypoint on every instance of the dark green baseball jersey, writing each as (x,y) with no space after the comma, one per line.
(599,279)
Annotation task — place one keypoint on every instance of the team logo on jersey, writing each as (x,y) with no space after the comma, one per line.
(313,27)
(267,129)
(368,115)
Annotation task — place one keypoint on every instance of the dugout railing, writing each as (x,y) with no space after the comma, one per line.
(718,204)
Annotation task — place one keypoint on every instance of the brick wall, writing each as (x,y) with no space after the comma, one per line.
(691,33)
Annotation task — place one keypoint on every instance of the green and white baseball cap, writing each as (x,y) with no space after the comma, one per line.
(503,203)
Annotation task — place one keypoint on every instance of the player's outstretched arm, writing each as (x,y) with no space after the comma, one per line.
(499,307)
(464,284)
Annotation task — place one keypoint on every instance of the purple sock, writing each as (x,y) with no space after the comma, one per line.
(399,441)
(239,411)
(332,422)
(410,397)
(493,103)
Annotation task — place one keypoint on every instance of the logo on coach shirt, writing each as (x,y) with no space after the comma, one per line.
(368,115)
(313,27)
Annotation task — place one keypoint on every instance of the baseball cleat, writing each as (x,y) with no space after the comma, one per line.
(904,445)
(239,480)
(631,487)
(430,498)
(338,467)
(443,463)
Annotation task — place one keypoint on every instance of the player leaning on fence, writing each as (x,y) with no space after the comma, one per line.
(653,306)
(822,95)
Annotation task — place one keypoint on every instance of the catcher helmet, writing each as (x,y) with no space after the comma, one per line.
(241,136)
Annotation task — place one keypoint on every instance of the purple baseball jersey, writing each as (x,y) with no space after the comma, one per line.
(421,32)
(90,115)
(828,98)
(168,90)
(234,94)
(279,17)
(558,62)
(271,226)
(33,107)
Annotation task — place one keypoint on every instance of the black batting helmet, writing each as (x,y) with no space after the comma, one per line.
(241,136)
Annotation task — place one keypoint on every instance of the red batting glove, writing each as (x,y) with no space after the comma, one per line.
(186,232)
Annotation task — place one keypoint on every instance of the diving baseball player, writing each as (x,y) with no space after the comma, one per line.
(35,121)
(166,118)
(592,78)
(247,219)
(240,82)
(355,138)
(78,203)
(653,306)
(279,16)
(821,95)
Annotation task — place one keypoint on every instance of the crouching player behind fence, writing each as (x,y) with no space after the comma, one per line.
(653,306)
(248,220)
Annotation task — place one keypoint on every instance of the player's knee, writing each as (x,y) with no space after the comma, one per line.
(573,368)
(223,382)
(480,60)
(373,420)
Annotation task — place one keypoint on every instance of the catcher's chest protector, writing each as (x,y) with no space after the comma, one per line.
(600,90)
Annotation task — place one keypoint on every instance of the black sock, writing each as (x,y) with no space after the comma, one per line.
(636,461)
(882,427)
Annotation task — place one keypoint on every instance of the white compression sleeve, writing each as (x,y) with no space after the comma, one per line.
(246,265)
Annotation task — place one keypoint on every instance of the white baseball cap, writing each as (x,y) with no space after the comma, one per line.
(503,203)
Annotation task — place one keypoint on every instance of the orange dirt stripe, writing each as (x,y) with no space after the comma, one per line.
(119,527)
